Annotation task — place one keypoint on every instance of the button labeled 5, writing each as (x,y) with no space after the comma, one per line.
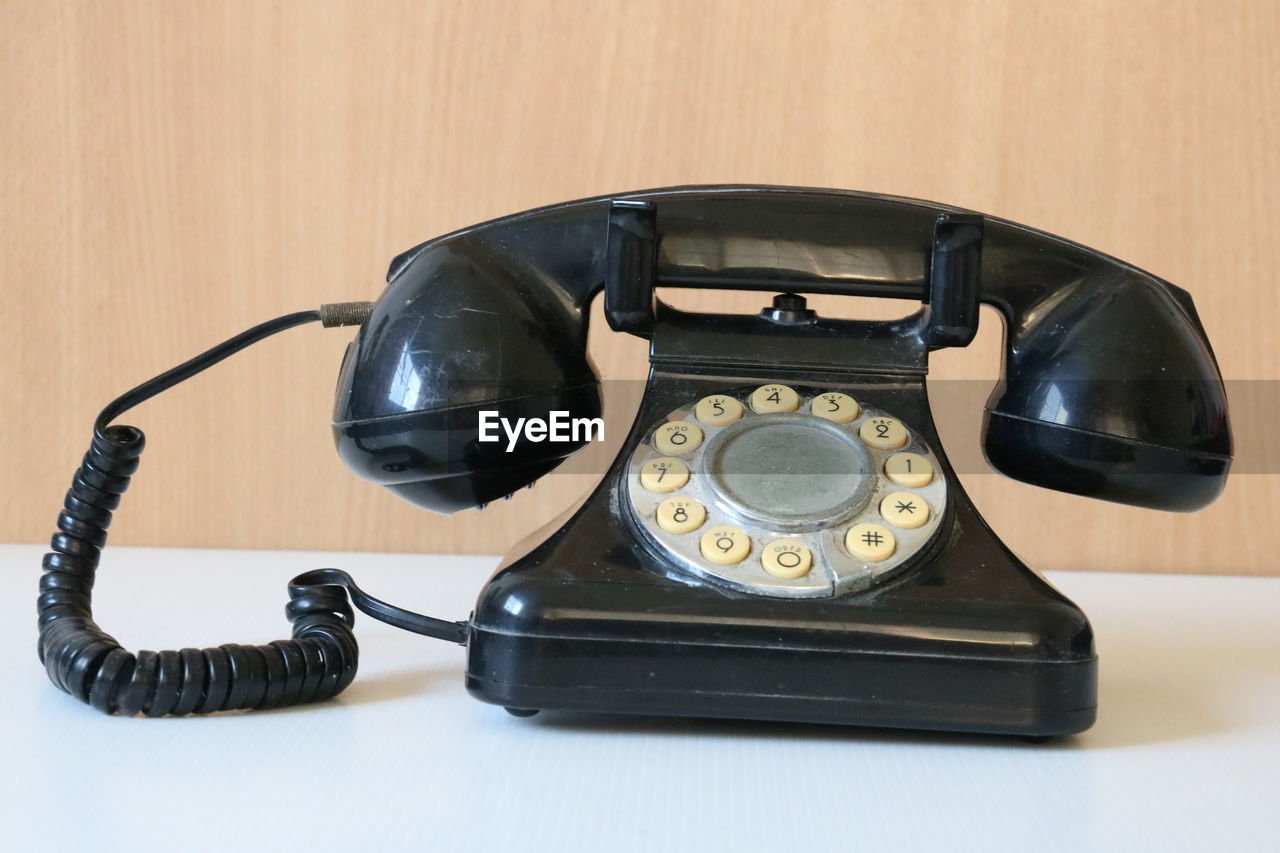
(717,410)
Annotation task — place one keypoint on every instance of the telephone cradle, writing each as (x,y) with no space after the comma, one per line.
(782,536)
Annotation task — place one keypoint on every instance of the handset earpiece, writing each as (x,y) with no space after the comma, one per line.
(475,329)
(1110,387)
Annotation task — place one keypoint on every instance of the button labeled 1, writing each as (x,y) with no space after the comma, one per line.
(909,469)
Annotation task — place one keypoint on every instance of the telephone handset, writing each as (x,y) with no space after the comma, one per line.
(782,536)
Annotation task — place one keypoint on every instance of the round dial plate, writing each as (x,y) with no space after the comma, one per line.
(793,476)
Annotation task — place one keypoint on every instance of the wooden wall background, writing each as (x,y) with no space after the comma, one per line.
(174,172)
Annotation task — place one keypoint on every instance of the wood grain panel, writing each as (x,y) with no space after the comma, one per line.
(174,172)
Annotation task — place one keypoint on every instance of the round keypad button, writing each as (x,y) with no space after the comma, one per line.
(664,475)
(836,407)
(725,545)
(883,433)
(910,470)
(774,398)
(677,437)
(787,559)
(717,410)
(903,509)
(681,515)
(870,542)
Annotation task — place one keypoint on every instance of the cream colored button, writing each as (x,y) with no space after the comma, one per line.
(909,469)
(663,475)
(903,509)
(837,407)
(725,545)
(717,410)
(786,559)
(677,437)
(883,433)
(870,542)
(774,398)
(681,515)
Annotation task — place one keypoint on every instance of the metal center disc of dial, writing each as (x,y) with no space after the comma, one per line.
(795,472)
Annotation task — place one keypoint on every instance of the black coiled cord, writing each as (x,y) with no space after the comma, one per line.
(316,664)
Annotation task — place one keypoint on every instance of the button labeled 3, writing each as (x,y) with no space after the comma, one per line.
(836,407)
(677,437)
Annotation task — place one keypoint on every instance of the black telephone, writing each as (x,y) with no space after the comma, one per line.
(782,536)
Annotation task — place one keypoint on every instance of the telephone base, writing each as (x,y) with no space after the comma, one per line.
(607,639)
(603,677)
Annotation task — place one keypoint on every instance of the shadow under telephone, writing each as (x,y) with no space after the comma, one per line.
(781,536)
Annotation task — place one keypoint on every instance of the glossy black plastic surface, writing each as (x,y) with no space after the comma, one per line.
(971,640)
(495,312)
(1110,390)
(475,322)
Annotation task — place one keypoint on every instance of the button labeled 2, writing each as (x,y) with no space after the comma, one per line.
(883,433)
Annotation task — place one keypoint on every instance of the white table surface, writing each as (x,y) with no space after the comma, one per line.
(1185,754)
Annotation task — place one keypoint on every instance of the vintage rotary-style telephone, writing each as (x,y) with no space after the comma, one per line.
(782,536)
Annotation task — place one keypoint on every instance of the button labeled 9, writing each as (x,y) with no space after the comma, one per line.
(725,545)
